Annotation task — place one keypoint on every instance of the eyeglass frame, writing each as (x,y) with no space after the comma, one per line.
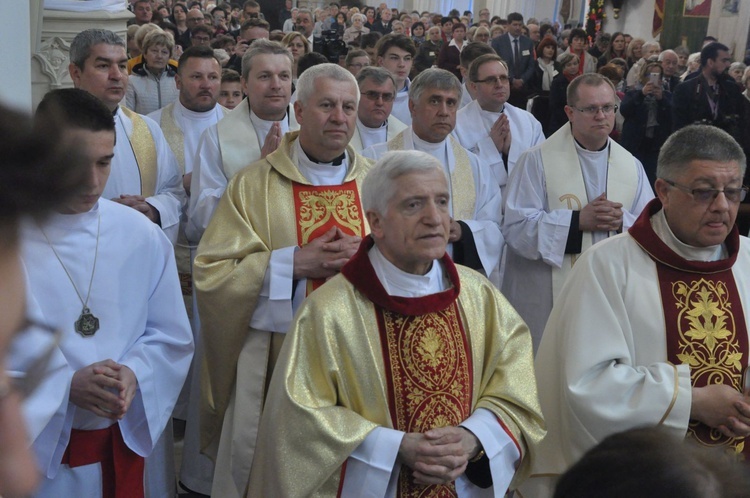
(493,80)
(714,192)
(36,372)
(374,96)
(593,110)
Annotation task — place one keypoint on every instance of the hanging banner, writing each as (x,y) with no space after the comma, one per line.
(697,8)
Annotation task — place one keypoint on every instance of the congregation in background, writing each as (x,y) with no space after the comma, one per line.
(358,251)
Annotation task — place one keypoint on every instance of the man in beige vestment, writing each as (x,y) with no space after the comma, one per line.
(283,226)
(575,189)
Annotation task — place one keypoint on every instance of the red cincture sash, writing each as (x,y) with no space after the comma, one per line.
(122,468)
(320,208)
(428,366)
(706,329)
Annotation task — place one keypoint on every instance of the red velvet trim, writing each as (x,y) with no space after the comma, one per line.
(342,476)
(359,271)
(644,235)
(122,468)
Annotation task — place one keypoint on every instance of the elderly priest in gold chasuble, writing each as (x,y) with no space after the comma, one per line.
(650,328)
(283,226)
(406,375)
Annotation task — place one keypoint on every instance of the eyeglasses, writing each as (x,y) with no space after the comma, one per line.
(30,375)
(708,195)
(358,65)
(594,110)
(492,80)
(374,96)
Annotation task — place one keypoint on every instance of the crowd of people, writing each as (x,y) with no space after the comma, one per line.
(357,249)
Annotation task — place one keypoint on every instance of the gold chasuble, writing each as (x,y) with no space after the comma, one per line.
(268,206)
(704,319)
(357,358)
(566,188)
(144,150)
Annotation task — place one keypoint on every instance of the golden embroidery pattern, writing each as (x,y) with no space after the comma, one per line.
(319,206)
(708,343)
(430,376)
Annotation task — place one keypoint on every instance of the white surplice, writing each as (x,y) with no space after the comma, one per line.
(125,177)
(473,127)
(401,104)
(536,237)
(485,224)
(365,137)
(136,296)
(602,365)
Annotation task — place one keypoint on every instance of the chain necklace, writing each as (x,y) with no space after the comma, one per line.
(87,324)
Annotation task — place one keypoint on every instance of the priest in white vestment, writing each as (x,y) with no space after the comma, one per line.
(396,53)
(375,124)
(284,225)
(497,132)
(376,412)
(107,278)
(574,190)
(476,202)
(650,329)
(249,133)
(145,174)
(183,122)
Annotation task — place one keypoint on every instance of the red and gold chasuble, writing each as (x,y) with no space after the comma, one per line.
(318,208)
(704,320)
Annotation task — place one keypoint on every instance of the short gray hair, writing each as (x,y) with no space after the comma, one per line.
(667,52)
(306,82)
(378,188)
(697,142)
(362,17)
(80,47)
(263,46)
(378,75)
(434,78)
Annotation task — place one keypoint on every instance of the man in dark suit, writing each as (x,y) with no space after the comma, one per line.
(518,51)
(712,97)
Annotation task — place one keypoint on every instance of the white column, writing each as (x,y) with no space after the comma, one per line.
(16,38)
(729,28)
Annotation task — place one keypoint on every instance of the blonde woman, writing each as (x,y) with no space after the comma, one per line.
(152,84)
(298,46)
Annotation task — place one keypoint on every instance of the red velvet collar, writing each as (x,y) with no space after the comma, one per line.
(359,271)
(645,236)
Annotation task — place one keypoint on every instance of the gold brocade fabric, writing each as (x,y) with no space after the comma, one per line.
(254,217)
(330,385)
(144,150)
(173,134)
(429,372)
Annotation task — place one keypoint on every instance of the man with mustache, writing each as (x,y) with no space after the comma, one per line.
(145,175)
(183,122)
(575,189)
(651,327)
(284,225)
(250,132)
(476,203)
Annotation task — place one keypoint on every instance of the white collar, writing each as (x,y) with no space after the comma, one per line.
(661,227)
(397,282)
(194,115)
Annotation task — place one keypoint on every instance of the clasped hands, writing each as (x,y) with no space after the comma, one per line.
(439,456)
(105,388)
(138,202)
(324,256)
(601,215)
(722,407)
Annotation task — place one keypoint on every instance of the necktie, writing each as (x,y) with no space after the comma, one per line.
(516,59)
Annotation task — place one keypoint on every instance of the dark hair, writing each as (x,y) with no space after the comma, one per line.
(473,50)
(444,20)
(309,60)
(651,463)
(577,33)
(547,41)
(514,16)
(544,28)
(480,61)
(77,109)
(255,23)
(230,76)
(201,28)
(222,41)
(459,25)
(395,40)
(711,52)
(200,52)
(417,25)
(370,39)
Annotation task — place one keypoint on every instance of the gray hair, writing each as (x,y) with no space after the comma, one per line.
(648,45)
(378,188)
(434,78)
(306,82)
(362,17)
(667,52)
(697,142)
(263,46)
(80,47)
(378,75)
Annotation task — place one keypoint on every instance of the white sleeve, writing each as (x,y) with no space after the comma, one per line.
(278,300)
(207,184)
(485,227)
(528,226)
(500,448)
(170,195)
(643,196)
(371,469)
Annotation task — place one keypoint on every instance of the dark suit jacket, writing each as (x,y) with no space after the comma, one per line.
(504,49)
(449,59)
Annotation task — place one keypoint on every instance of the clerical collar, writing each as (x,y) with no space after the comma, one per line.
(397,282)
(580,146)
(661,227)
(194,115)
(337,161)
(424,146)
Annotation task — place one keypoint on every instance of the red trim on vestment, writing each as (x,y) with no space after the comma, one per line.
(342,476)
(512,437)
(122,468)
